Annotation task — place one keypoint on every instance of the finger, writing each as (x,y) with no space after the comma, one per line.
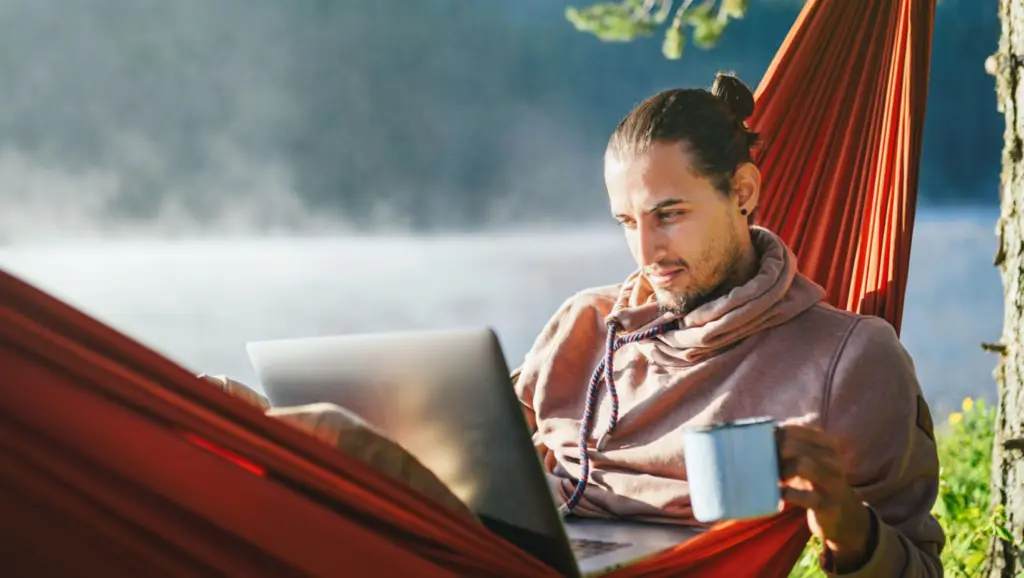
(819,473)
(810,499)
(806,420)
(809,435)
(797,483)
(791,446)
(803,498)
(793,452)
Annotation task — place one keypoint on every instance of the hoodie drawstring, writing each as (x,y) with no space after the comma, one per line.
(605,369)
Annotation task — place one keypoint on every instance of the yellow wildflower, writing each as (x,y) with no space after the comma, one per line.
(968,404)
(955,418)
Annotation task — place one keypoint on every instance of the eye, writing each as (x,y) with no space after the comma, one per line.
(668,216)
(627,223)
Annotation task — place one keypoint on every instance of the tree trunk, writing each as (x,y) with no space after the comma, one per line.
(1007,65)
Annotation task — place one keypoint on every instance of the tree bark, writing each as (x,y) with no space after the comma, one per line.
(1007,65)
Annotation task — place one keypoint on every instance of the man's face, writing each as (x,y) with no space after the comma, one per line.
(685,235)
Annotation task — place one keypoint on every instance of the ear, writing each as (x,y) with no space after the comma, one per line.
(746,187)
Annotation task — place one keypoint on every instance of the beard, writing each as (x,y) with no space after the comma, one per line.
(714,274)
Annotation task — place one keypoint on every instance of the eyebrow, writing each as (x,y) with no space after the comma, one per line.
(662,205)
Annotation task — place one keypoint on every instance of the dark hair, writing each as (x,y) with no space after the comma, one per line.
(709,123)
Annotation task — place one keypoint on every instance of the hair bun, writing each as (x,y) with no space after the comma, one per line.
(735,95)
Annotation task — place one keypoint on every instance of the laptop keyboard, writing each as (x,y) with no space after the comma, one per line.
(584,549)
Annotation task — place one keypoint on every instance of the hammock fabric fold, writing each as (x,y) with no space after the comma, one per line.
(841,112)
(115,461)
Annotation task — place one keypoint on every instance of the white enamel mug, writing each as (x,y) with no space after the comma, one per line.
(733,470)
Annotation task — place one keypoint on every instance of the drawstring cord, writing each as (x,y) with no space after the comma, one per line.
(605,370)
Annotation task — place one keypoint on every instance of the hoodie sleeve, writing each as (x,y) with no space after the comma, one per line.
(558,366)
(565,351)
(525,377)
(876,408)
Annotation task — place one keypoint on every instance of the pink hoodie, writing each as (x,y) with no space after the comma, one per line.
(770,347)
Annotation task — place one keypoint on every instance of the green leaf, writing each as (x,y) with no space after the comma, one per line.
(611,22)
(707,32)
(672,47)
(627,20)
(735,8)
(1003,534)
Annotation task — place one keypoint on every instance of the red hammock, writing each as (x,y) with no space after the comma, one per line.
(112,458)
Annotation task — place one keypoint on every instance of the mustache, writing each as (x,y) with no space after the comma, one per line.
(665,266)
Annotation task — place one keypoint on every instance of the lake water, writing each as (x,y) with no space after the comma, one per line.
(199,301)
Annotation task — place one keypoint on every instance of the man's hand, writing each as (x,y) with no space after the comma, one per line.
(237,389)
(814,477)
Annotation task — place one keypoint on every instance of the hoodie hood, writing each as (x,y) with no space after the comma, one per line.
(776,294)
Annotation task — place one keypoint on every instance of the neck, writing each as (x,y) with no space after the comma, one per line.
(745,267)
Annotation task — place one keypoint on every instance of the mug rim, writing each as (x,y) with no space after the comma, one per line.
(732,424)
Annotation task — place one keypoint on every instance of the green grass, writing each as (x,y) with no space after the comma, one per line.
(963,506)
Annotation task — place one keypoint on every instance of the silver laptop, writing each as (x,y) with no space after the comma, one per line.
(446,397)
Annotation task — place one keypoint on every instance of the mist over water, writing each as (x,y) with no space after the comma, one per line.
(145,118)
(236,117)
(199,302)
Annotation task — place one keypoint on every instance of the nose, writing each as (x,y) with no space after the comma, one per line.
(648,245)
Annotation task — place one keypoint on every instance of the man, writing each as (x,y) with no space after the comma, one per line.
(717,324)
(729,329)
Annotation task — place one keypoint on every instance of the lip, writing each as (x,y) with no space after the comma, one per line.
(664,277)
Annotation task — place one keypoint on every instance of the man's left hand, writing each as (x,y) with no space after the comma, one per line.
(814,477)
